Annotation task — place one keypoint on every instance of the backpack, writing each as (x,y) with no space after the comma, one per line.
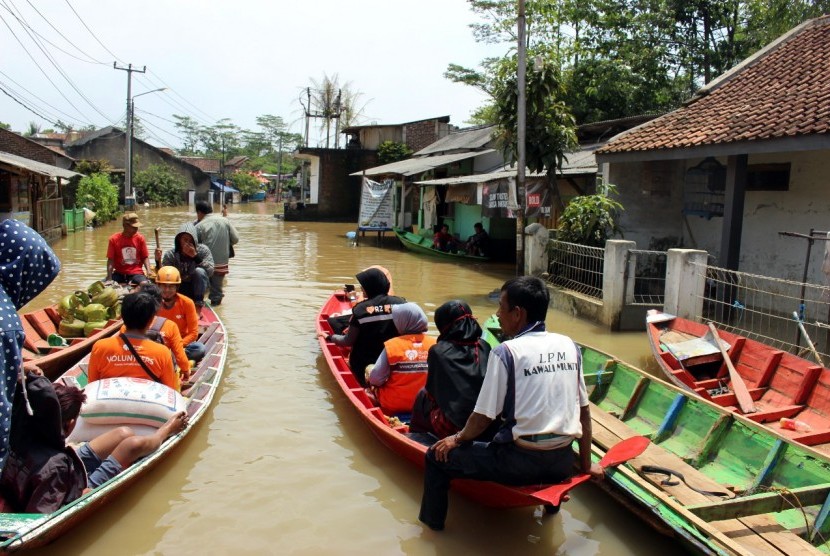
(154,332)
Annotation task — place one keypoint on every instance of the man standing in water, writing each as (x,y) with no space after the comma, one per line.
(534,381)
(220,236)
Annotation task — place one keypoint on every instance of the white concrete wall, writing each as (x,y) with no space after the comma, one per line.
(314,180)
(652,212)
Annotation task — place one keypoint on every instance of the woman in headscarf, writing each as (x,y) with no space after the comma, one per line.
(371,323)
(27,266)
(457,364)
(401,369)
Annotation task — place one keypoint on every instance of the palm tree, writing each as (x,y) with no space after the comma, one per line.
(34,129)
(331,101)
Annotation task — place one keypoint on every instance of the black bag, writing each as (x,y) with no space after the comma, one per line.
(230,252)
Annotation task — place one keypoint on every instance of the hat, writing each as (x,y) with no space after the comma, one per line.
(130,219)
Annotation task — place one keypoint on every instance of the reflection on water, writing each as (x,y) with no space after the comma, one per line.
(282,464)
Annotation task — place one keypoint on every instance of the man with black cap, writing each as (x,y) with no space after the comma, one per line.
(128,259)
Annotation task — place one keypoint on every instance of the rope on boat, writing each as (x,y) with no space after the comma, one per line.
(669,482)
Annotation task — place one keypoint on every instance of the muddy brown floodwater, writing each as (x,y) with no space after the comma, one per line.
(282,464)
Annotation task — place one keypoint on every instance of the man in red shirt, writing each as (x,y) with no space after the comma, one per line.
(181,310)
(128,259)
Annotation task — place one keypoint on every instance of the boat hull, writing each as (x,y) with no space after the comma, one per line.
(422,245)
(24,531)
(781,385)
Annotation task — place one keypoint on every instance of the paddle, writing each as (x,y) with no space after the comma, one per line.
(807,337)
(158,250)
(738,386)
(618,453)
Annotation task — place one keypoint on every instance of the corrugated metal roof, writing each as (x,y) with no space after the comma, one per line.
(468,139)
(412,166)
(36,167)
(582,161)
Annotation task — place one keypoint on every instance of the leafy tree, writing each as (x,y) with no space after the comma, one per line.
(4,125)
(33,129)
(245,183)
(89,167)
(591,219)
(97,193)
(550,127)
(161,184)
(189,130)
(392,151)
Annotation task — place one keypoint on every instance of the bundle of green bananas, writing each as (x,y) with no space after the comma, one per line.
(85,311)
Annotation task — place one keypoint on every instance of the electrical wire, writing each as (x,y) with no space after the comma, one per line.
(91,60)
(59,69)
(4,91)
(86,118)
(91,33)
(23,97)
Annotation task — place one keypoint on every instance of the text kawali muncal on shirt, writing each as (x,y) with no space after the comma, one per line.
(552,362)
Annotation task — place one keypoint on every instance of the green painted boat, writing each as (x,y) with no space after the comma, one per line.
(423,245)
(736,487)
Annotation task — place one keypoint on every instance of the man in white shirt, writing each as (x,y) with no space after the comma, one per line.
(534,382)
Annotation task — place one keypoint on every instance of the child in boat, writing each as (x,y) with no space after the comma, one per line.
(42,473)
(401,369)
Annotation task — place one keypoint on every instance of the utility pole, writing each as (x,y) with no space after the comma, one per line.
(279,170)
(337,120)
(307,114)
(521,117)
(128,164)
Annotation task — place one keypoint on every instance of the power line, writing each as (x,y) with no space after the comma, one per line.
(91,60)
(27,108)
(155,126)
(90,31)
(60,70)
(29,102)
(87,119)
(209,117)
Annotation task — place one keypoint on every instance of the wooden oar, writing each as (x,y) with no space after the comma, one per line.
(618,453)
(158,248)
(807,337)
(738,387)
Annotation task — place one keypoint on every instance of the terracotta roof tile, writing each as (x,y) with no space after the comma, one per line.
(783,91)
(206,165)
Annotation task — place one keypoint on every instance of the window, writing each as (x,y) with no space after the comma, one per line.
(768,177)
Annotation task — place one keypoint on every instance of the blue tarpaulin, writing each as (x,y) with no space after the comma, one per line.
(218,187)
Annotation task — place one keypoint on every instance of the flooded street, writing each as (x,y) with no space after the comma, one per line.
(282,464)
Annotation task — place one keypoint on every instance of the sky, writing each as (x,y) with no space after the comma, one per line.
(234,60)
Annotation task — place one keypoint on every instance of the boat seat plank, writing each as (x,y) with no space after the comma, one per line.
(41,322)
(769,367)
(757,534)
(735,354)
(775,413)
(807,384)
(762,503)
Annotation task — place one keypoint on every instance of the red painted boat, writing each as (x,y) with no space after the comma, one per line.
(781,385)
(52,360)
(394,436)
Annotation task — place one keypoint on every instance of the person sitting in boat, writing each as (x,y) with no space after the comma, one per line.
(164,331)
(444,241)
(457,364)
(479,243)
(181,310)
(132,354)
(535,382)
(370,324)
(43,473)
(128,259)
(194,262)
(401,370)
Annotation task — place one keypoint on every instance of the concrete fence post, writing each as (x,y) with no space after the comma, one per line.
(536,249)
(685,283)
(613,280)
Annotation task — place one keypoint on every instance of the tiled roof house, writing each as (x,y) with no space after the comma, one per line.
(746,157)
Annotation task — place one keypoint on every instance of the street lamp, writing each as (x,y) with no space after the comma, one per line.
(128,170)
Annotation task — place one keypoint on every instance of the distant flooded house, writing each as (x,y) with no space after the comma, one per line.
(327,191)
(745,159)
(31,183)
(109,144)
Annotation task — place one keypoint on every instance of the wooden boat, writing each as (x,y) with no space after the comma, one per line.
(38,325)
(780,384)
(777,491)
(423,245)
(18,531)
(394,434)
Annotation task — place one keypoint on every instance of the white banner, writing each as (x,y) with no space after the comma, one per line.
(376,204)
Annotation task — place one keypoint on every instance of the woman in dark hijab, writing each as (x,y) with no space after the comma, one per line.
(457,363)
(371,322)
